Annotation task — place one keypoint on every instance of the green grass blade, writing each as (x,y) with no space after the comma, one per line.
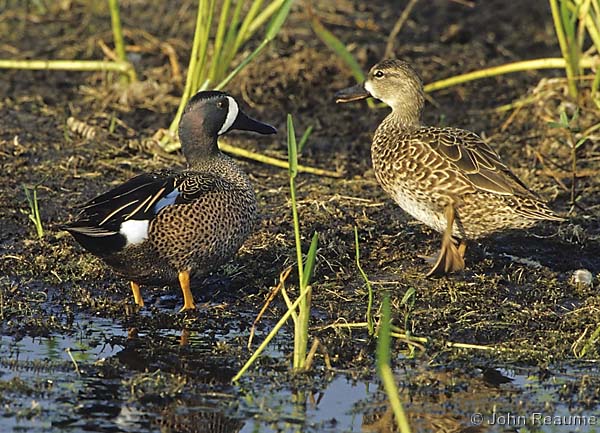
(38,217)
(265,15)
(408,296)
(560,21)
(199,76)
(384,356)
(272,31)
(27,195)
(369,316)
(34,210)
(384,368)
(590,343)
(278,20)
(292,147)
(595,87)
(115,19)
(200,31)
(274,331)
(526,65)
(242,65)
(219,41)
(408,300)
(228,51)
(301,325)
(252,12)
(564,120)
(189,80)
(201,71)
(592,24)
(309,265)
(304,138)
(338,48)
(70,65)
(293,171)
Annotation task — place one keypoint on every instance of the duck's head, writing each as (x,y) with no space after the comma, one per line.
(209,114)
(394,82)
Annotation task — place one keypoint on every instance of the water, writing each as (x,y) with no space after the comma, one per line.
(80,383)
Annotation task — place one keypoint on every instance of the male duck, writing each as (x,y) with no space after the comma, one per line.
(163,227)
(447,178)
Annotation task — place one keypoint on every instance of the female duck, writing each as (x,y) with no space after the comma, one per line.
(163,227)
(447,178)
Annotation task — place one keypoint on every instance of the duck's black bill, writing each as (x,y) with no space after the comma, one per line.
(246,123)
(351,94)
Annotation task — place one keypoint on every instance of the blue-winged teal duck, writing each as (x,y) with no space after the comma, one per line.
(447,178)
(163,227)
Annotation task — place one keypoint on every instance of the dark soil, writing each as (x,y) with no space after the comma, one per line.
(516,303)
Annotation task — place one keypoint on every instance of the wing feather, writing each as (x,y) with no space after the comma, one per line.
(99,225)
(474,159)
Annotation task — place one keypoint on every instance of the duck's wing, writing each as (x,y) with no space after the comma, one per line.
(122,215)
(107,223)
(477,161)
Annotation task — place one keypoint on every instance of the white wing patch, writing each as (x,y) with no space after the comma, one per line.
(167,200)
(135,231)
(232,113)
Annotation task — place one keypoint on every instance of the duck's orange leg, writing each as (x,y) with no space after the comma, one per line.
(188,299)
(137,296)
(462,248)
(451,257)
(185,337)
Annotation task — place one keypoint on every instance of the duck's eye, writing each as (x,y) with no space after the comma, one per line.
(378,74)
(221,104)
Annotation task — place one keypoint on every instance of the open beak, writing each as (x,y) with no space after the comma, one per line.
(246,123)
(352,94)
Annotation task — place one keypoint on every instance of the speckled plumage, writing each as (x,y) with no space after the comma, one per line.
(442,176)
(160,227)
(209,224)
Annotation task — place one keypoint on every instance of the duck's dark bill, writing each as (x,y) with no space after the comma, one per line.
(246,123)
(351,94)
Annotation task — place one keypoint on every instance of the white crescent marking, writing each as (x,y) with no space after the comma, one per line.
(232,113)
(135,231)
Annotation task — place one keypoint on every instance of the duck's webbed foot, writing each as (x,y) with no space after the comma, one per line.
(452,253)
(137,296)
(450,258)
(188,299)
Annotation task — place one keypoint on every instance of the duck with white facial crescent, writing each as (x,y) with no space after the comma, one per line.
(166,226)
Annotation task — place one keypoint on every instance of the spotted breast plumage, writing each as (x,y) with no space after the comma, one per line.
(447,178)
(163,227)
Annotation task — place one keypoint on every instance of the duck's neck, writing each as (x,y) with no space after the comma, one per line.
(406,118)
(198,161)
(198,140)
(198,148)
(209,159)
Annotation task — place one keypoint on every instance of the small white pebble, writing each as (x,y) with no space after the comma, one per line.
(582,277)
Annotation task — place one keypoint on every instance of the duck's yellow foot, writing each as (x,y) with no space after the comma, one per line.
(450,258)
(137,296)
(188,299)
(184,339)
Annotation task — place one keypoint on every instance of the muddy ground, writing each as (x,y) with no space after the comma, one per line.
(516,304)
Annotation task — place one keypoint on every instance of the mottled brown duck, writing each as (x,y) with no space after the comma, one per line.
(167,226)
(447,178)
